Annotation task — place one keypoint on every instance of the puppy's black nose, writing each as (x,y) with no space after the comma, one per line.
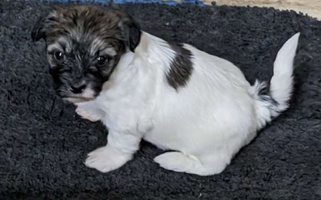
(77,89)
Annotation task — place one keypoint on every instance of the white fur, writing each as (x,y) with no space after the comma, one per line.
(206,122)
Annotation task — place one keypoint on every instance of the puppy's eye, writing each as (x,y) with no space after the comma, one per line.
(59,56)
(101,60)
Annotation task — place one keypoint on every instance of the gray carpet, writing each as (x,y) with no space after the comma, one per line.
(43,143)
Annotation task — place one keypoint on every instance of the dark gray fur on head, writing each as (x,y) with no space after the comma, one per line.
(84,45)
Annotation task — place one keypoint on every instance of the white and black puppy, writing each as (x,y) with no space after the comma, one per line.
(172,95)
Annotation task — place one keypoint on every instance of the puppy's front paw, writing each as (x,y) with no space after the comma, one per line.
(88,113)
(106,159)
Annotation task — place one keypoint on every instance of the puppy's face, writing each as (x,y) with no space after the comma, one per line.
(84,45)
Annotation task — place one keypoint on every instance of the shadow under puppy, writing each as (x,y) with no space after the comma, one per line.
(172,95)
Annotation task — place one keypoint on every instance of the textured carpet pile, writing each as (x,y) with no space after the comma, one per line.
(43,143)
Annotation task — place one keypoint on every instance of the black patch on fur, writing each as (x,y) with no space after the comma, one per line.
(181,66)
(265,95)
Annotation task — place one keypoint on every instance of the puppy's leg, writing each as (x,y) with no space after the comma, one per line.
(179,162)
(120,149)
(89,111)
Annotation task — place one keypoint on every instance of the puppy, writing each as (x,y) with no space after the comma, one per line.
(172,95)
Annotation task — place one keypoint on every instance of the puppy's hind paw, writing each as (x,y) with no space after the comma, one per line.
(175,161)
(179,162)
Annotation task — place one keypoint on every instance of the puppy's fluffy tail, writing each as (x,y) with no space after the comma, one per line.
(269,104)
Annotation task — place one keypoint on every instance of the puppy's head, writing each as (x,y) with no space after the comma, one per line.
(84,45)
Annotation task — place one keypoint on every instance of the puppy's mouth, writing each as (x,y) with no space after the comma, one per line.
(87,95)
(73,99)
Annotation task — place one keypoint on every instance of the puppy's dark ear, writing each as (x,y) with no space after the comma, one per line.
(38,31)
(131,32)
(45,22)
